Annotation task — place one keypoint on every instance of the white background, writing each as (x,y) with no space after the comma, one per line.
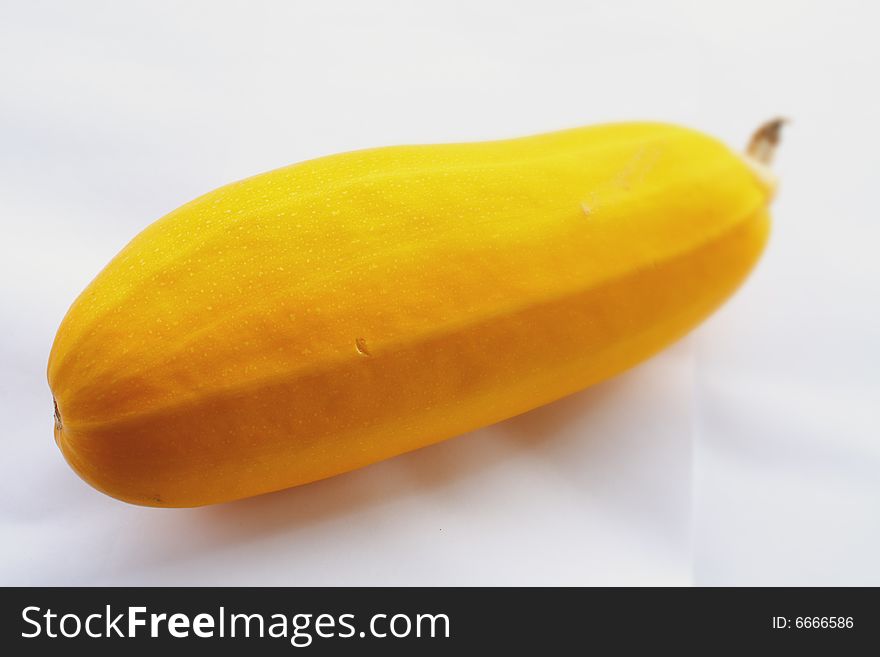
(749,453)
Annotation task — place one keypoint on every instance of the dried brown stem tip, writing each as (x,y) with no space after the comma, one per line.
(763,143)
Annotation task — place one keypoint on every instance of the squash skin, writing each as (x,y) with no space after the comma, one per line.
(318,318)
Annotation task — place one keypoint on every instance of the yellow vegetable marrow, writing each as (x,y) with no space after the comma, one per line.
(324,316)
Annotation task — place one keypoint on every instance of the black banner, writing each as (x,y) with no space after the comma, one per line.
(432,621)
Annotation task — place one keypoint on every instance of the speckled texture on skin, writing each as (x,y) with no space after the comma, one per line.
(317,318)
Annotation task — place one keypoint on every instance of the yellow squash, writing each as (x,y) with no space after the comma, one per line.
(324,316)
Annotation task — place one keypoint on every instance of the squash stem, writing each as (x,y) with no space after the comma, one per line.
(57,415)
(762,145)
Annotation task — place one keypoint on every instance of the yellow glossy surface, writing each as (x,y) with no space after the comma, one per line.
(324,316)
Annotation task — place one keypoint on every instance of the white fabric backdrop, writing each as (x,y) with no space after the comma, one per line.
(749,453)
